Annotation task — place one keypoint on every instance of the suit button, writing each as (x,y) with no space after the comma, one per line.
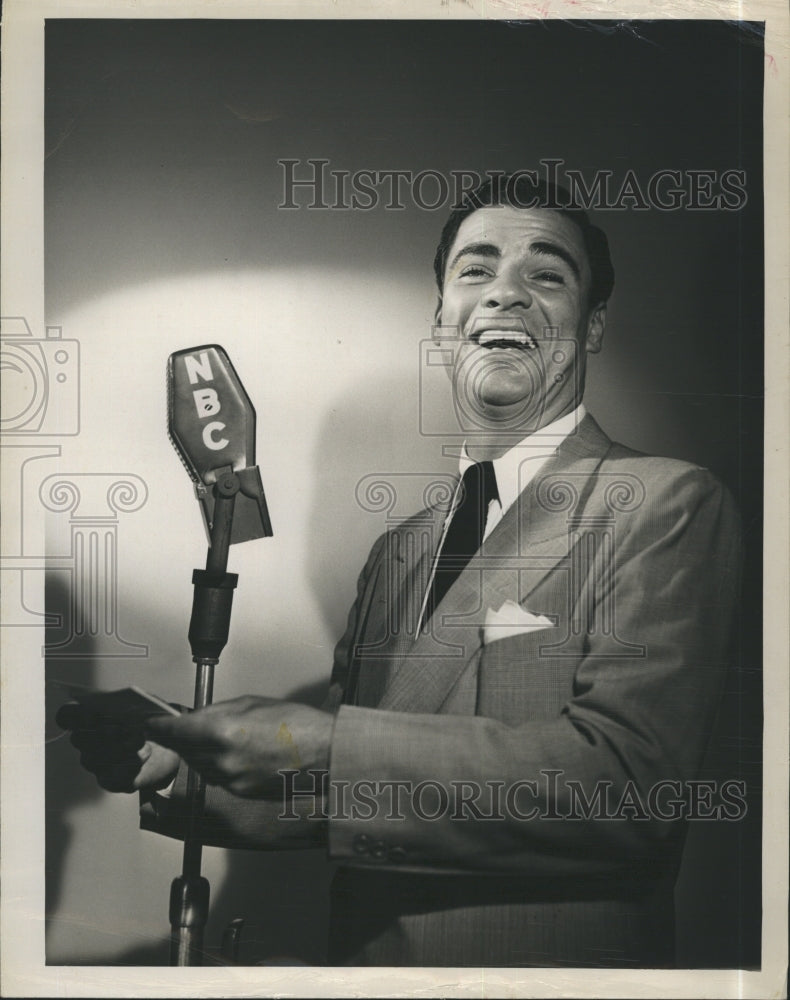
(379,849)
(397,854)
(361,844)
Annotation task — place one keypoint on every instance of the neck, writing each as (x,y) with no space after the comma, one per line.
(490,443)
(484,448)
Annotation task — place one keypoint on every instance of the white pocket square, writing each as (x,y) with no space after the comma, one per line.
(510,620)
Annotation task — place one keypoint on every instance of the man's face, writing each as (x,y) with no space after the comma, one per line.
(516,288)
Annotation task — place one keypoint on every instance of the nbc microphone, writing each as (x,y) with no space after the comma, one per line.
(211,423)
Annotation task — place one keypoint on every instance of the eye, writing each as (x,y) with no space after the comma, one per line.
(475,271)
(550,277)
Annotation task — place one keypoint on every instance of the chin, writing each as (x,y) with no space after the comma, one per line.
(498,394)
(504,397)
(504,412)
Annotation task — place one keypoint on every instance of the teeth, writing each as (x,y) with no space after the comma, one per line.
(512,336)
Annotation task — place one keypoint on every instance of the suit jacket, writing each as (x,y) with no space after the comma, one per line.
(634,559)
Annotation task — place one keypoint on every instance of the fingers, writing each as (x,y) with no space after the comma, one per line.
(233,744)
(114,765)
(108,750)
(201,738)
(102,731)
(90,724)
(236,744)
(99,746)
(197,738)
(177,733)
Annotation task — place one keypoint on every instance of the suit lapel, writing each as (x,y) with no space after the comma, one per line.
(399,597)
(529,543)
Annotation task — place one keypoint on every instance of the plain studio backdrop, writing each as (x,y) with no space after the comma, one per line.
(163,232)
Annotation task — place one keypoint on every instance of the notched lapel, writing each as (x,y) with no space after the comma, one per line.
(410,551)
(530,543)
(429,669)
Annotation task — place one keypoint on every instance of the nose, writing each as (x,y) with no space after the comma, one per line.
(506,292)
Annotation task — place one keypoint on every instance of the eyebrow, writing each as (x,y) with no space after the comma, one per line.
(476,250)
(540,247)
(548,249)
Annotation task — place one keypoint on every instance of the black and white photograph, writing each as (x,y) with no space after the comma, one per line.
(394,566)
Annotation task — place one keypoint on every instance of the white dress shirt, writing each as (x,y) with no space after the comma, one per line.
(518,467)
(514,471)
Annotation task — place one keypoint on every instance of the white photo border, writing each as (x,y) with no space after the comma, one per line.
(24,972)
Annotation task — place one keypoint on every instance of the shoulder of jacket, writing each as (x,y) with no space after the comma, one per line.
(658,468)
(667,482)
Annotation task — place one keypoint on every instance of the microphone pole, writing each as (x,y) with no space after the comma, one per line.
(211,423)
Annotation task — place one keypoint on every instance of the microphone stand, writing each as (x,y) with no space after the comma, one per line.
(208,633)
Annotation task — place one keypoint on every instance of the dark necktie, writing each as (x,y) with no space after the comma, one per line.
(465,532)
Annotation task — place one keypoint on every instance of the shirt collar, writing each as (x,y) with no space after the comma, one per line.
(518,466)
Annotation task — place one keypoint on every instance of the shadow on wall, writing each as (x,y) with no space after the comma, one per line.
(372,433)
(283,898)
(69,788)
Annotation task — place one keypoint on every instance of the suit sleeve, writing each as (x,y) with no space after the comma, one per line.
(232,822)
(634,731)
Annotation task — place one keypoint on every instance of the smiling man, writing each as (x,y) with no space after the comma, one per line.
(516,281)
(521,702)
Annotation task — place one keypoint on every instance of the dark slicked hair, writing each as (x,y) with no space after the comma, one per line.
(520,191)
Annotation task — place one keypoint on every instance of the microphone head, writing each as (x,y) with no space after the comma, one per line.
(210,418)
(211,423)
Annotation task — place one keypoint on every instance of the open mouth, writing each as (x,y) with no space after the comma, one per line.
(499,339)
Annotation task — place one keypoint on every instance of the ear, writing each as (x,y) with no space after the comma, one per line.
(437,336)
(437,318)
(595,329)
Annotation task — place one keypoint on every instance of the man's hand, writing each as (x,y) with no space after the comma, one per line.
(119,756)
(242,744)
